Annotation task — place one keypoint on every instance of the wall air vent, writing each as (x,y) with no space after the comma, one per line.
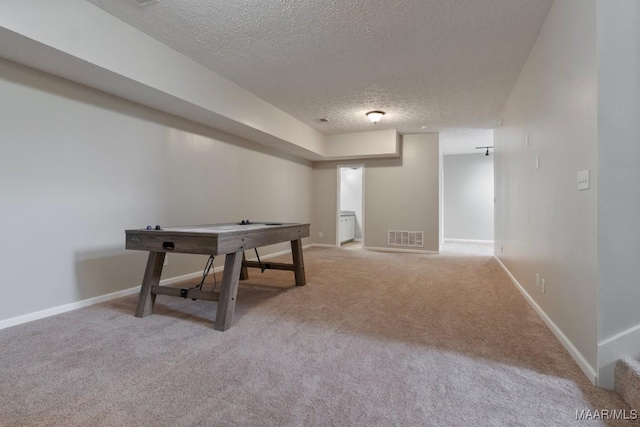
(144,2)
(406,238)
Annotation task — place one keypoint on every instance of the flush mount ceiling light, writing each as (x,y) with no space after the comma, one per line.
(375,116)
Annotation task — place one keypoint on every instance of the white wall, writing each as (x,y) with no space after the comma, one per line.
(400,194)
(76,40)
(78,167)
(441,192)
(468,196)
(356,145)
(79,41)
(618,23)
(351,195)
(543,224)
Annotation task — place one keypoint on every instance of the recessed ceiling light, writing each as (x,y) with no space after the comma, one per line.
(424,127)
(145,2)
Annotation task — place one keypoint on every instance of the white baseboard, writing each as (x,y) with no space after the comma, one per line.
(619,346)
(322,245)
(446,239)
(410,251)
(25,318)
(588,370)
(30,317)
(273,255)
(178,279)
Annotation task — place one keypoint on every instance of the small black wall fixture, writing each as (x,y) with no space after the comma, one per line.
(482,148)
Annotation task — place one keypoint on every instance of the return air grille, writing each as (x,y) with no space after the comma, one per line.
(406,238)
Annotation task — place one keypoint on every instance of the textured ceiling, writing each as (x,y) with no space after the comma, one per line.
(430,64)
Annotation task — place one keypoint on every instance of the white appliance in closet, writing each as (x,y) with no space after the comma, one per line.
(347,226)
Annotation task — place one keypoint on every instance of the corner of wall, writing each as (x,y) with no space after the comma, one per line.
(624,344)
(582,362)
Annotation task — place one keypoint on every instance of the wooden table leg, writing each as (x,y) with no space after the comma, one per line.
(152,273)
(244,274)
(298,262)
(228,291)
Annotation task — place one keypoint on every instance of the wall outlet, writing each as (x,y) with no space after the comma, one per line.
(526,141)
(544,286)
(537,279)
(166,260)
(501,249)
(320,234)
(537,162)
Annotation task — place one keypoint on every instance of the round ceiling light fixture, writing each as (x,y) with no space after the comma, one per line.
(375,116)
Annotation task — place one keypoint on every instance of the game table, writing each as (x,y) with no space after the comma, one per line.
(214,239)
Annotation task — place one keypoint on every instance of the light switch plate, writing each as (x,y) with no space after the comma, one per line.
(583,180)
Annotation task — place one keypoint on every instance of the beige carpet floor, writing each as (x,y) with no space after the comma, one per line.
(374,339)
(467,247)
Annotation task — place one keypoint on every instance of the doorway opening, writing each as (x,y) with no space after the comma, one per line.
(468,203)
(350,215)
